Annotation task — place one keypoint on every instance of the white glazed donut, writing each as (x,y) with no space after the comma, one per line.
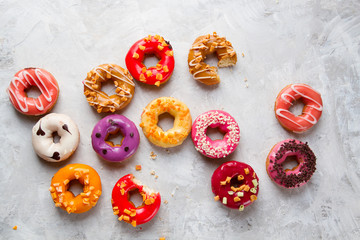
(43,139)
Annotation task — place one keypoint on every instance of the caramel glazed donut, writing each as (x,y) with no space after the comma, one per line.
(203,46)
(125,88)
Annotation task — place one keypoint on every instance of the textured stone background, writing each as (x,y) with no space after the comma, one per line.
(313,42)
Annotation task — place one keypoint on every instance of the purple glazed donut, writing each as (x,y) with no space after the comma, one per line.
(112,124)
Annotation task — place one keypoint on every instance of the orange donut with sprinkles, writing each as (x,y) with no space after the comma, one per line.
(65,199)
(151,45)
(311,112)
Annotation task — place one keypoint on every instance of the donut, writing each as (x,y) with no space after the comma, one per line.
(311,112)
(151,45)
(182,122)
(203,46)
(215,148)
(299,175)
(235,184)
(37,77)
(113,124)
(102,102)
(43,137)
(126,210)
(65,199)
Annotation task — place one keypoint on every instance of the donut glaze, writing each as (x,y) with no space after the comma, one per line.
(235,184)
(311,112)
(65,199)
(215,148)
(182,122)
(299,175)
(126,210)
(43,139)
(40,78)
(113,124)
(151,45)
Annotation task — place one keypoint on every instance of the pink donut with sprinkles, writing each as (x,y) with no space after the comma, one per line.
(215,148)
(300,174)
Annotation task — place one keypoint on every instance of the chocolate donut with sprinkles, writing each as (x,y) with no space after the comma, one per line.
(215,148)
(235,184)
(300,174)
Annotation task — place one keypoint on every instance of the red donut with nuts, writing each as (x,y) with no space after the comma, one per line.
(126,210)
(151,45)
(235,184)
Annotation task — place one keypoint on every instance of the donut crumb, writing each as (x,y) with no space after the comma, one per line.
(153,155)
(15,227)
(138,167)
(216,198)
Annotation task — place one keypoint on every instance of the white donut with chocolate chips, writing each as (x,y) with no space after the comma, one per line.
(55,137)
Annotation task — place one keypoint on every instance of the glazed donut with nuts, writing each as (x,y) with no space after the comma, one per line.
(125,88)
(203,46)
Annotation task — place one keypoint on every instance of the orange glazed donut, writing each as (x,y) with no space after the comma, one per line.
(125,88)
(203,46)
(311,112)
(65,199)
(44,81)
(182,123)
(163,70)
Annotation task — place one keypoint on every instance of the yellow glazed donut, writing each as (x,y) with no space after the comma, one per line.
(182,123)
(65,199)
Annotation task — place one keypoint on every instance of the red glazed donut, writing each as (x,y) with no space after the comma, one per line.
(299,175)
(126,210)
(311,112)
(157,46)
(40,78)
(235,184)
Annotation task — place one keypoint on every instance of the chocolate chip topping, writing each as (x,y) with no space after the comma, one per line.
(98,135)
(104,151)
(126,149)
(56,156)
(168,43)
(40,131)
(132,134)
(65,127)
(305,171)
(112,122)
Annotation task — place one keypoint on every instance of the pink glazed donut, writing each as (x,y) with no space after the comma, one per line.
(112,124)
(217,148)
(299,175)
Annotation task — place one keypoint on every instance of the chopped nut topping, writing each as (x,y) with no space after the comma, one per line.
(136,56)
(240,177)
(253,198)
(133,223)
(120,218)
(159,76)
(143,70)
(228,179)
(148,73)
(236,199)
(169,53)
(127,211)
(157,83)
(122,191)
(142,78)
(126,218)
(142,48)
(160,47)
(165,68)
(222,182)
(246,170)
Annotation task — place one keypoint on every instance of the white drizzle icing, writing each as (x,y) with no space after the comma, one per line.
(39,82)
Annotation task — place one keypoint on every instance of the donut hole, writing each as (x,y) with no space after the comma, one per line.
(290,163)
(234,182)
(214,133)
(166,121)
(211,59)
(114,138)
(75,187)
(108,87)
(135,198)
(33,92)
(56,137)
(151,60)
(297,107)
